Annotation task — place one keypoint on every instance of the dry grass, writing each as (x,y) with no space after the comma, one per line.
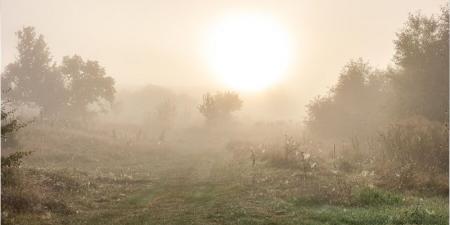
(90,177)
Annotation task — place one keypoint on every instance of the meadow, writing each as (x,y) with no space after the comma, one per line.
(92,175)
(225,112)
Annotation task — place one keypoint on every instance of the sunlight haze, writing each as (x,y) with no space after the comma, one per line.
(311,112)
(163,42)
(248,51)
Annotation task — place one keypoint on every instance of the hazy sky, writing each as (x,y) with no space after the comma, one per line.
(159,42)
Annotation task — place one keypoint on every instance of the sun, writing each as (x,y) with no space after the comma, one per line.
(248,52)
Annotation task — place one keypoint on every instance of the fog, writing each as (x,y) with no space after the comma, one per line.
(224,112)
(159,42)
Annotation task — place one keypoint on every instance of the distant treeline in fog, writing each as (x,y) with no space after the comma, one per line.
(74,88)
(404,108)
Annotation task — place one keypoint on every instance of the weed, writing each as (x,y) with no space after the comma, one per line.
(418,214)
(375,197)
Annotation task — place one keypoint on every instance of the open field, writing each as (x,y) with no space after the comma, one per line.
(225,112)
(79,176)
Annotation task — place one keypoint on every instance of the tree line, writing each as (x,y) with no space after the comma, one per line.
(75,88)
(417,85)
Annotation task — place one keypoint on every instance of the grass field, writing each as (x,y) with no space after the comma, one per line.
(87,177)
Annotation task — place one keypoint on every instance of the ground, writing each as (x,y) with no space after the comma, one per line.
(90,177)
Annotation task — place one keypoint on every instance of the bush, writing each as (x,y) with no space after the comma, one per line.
(9,165)
(218,107)
(409,177)
(416,141)
(413,153)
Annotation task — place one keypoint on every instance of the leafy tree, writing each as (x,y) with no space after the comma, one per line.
(353,105)
(87,84)
(33,77)
(218,107)
(320,118)
(363,98)
(421,53)
(351,83)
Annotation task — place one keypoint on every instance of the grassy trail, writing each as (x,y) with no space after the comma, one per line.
(108,182)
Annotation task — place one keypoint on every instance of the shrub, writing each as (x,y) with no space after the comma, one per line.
(413,152)
(416,141)
(218,107)
(409,177)
(9,164)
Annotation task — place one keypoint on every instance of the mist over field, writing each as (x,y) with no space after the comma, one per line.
(224,112)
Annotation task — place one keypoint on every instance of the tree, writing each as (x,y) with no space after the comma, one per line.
(353,105)
(421,53)
(33,77)
(218,107)
(87,85)
(351,83)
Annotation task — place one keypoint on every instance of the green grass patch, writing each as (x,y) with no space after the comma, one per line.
(142,198)
(375,197)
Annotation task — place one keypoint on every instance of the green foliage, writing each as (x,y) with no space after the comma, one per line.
(375,197)
(218,107)
(419,215)
(343,195)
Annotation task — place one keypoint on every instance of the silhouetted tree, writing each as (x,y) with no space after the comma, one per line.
(33,77)
(352,106)
(421,53)
(218,107)
(87,84)
(364,99)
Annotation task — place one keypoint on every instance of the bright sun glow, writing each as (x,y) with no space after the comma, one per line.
(248,52)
